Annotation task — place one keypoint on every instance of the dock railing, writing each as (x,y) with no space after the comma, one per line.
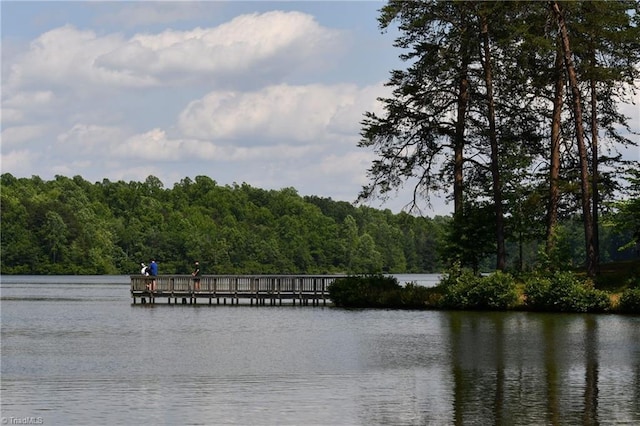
(275,289)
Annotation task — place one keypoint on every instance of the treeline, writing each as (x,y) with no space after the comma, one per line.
(71,226)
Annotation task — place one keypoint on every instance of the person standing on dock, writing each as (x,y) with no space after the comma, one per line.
(153,271)
(196,276)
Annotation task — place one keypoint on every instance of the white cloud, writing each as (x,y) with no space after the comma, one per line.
(11,115)
(154,145)
(19,162)
(89,140)
(350,113)
(256,44)
(65,57)
(304,114)
(273,43)
(24,106)
(29,99)
(13,137)
(343,166)
(71,168)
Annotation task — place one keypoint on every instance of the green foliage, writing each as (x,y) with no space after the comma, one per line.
(415,296)
(630,301)
(70,226)
(465,290)
(470,236)
(366,259)
(559,256)
(626,219)
(379,291)
(369,291)
(563,292)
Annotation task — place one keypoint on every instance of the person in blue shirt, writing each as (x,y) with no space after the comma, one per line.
(154,268)
(153,271)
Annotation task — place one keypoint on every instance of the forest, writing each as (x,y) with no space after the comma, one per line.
(72,226)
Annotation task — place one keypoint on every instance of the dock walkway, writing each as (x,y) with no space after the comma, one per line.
(258,289)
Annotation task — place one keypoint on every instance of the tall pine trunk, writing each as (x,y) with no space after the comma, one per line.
(582,150)
(458,146)
(462,107)
(554,158)
(595,197)
(501,252)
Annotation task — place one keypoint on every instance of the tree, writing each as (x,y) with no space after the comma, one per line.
(470,237)
(421,136)
(554,153)
(579,132)
(486,59)
(443,119)
(483,77)
(55,234)
(609,57)
(627,212)
(609,33)
(366,259)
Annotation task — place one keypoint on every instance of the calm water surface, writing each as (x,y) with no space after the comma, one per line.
(76,352)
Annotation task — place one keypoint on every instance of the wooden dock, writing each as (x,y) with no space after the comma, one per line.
(250,289)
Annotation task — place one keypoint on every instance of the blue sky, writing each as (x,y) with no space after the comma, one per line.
(267,93)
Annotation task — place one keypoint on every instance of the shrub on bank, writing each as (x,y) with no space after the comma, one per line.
(379,291)
(630,301)
(414,296)
(370,291)
(563,292)
(497,291)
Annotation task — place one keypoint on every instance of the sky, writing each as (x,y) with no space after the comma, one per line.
(266,93)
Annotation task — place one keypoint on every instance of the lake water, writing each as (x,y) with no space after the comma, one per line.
(75,351)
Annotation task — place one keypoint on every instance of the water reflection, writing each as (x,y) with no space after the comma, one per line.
(533,368)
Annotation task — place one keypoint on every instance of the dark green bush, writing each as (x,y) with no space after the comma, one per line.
(634,282)
(563,292)
(378,291)
(630,301)
(370,291)
(466,291)
(415,296)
